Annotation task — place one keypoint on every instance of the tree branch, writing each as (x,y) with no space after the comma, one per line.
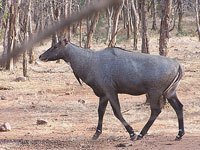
(39,36)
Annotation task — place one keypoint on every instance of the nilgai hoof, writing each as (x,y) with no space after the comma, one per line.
(96,135)
(179,136)
(139,137)
(133,137)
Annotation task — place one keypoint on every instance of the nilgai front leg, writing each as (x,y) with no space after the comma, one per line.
(103,101)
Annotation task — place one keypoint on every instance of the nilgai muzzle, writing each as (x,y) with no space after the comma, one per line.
(114,70)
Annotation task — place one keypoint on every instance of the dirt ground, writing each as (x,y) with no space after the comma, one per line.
(52,93)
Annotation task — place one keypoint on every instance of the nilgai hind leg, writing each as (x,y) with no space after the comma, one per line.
(154,100)
(114,101)
(178,107)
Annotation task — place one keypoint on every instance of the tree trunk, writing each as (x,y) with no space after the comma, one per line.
(80,33)
(23,30)
(117,11)
(145,40)
(27,34)
(11,35)
(5,36)
(87,2)
(65,10)
(197,9)
(92,28)
(127,22)
(180,15)
(54,18)
(69,14)
(25,64)
(199,19)
(109,28)
(154,25)
(173,17)
(2,11)
(164,27)
(31,53)
(135,19)
(10,38)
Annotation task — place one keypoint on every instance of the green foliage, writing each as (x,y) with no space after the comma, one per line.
(81,2)
(185,33)
(121,36)
(101,29)
(101,25)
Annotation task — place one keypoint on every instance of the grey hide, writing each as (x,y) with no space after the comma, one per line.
(115,70)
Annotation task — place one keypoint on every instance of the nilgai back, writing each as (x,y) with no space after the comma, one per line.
(115,70)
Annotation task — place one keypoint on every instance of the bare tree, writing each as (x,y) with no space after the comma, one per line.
(27,34)
(31,53)
(135,20)
(2,11)
(164,27)
(180,14)
(10,32)
(94,21)
(54,14)
(109,28)
(145,40)
(80,33)
(197,9)
(117,11)
(173,15)
(154,24)
(127,18)
(69,12)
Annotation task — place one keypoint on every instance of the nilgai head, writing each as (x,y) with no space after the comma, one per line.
(55,52)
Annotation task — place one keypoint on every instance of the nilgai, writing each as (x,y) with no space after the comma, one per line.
(115,70)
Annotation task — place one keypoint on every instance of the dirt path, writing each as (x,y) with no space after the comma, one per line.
(53,94)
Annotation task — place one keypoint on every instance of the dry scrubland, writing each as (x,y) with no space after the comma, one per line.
(53,94)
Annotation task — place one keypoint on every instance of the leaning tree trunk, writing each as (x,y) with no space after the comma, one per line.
(94,21)
(25,64)
(135,20)
(154,25)
(80,33)
(9,38)
(69,14)
(27,19)
(31,53)
(180,15)
(127,19)
(199,19)
(117,11)
(109,28)
(2,11)
(145,40)
(197,3)
(173,16)
(164,27)
(54,13)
